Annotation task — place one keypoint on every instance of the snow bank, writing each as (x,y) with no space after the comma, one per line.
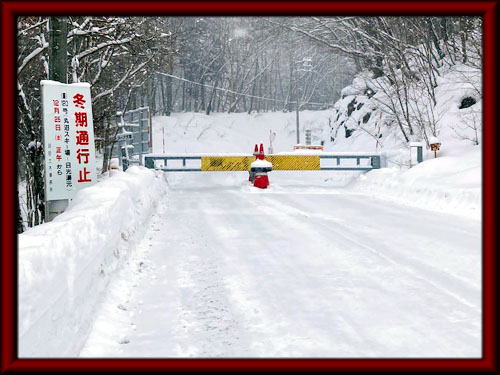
(449,184)
(65,265)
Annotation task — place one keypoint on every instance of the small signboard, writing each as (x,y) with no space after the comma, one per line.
(124,136)
(435,146)
(68,132)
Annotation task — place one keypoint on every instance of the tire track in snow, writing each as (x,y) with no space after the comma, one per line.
(207,323)
(228,294)
(314,227)
(275,328)
(206,316)
(442,281)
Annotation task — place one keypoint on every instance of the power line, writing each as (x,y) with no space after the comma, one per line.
(238,93)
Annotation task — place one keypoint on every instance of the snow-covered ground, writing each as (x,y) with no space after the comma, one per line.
(299,270)
(66,265)
(321,264)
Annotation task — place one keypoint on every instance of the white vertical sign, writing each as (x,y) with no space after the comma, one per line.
(68,138)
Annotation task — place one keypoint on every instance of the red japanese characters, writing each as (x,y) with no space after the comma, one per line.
(82,154)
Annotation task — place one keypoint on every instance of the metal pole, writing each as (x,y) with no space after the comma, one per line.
(420,154)
(308,137)
(297,120)
(297,107)
(163,136)
(58,71)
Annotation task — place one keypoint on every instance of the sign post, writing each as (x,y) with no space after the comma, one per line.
(68,133)
(435,145)
(418,146)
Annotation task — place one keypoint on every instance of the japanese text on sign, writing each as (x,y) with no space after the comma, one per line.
(68,138)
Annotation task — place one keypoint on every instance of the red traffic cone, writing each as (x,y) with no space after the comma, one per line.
(261,181)
(261,152)
(256,150)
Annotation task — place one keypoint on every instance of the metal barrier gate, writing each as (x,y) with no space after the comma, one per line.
(135,136)
(214,163)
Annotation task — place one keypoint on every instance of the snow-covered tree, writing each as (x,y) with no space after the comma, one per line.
(114,54)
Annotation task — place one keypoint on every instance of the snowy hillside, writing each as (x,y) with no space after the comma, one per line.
(451,182)
(363,116)
(235,132)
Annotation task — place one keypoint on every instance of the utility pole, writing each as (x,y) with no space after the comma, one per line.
(304,65)
(58,49)
(58,71)
(297,99)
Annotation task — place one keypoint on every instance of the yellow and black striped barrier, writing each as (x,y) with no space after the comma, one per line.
(242,163)
(228,163)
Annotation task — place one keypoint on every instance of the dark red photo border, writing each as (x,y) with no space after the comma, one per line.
(11,9)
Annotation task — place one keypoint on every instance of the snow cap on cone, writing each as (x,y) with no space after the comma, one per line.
(261,152)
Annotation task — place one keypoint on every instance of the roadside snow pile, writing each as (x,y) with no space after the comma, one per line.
(65,265)
(449,184)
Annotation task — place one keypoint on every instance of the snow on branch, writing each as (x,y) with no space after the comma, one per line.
(104,45)
(37,51)
(337,47)
(130,73)
(25,31)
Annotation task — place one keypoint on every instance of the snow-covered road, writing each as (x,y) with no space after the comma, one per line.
(226,270)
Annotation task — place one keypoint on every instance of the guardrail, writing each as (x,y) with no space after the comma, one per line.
(375,162)
(149,162)
(218,162)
